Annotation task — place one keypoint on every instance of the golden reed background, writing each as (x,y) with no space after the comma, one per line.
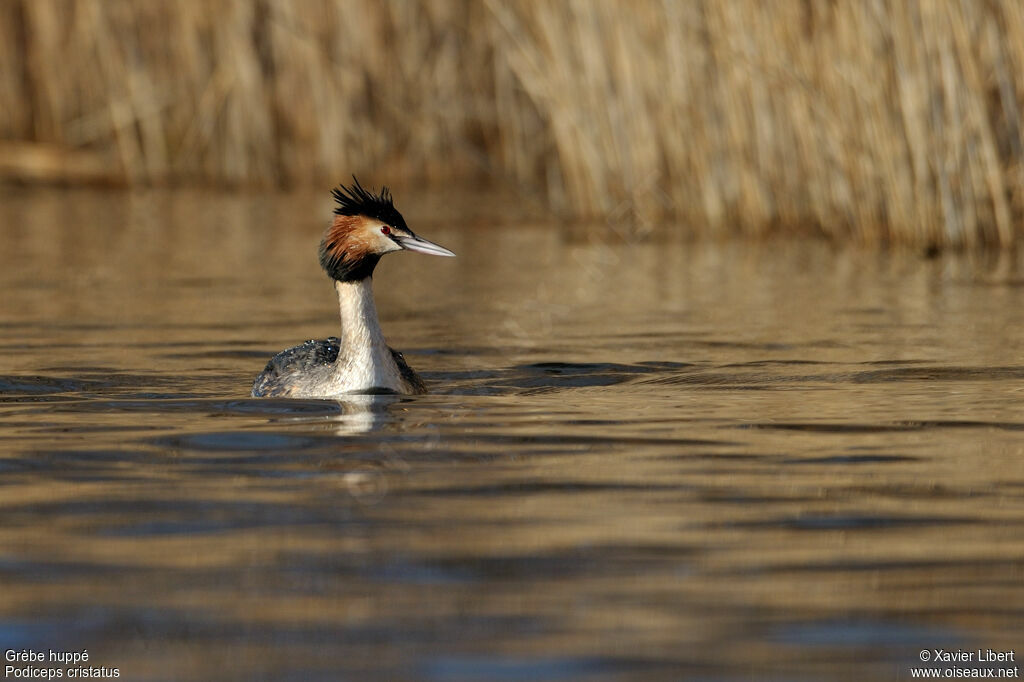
(880,122)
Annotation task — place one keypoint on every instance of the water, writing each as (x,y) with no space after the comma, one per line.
(640,460)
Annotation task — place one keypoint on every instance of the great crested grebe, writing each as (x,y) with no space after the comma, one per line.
(366,226)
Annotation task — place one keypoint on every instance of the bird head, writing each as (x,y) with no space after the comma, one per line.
(366,226)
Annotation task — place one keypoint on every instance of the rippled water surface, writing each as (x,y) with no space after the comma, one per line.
(639,460)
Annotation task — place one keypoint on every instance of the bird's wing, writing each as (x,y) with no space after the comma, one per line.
(302,359)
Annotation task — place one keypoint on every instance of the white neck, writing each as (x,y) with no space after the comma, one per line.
(360,329)
(364,360)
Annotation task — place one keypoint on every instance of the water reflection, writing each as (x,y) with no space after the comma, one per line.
(638,461)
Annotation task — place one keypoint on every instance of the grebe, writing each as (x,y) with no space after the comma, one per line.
(366,226)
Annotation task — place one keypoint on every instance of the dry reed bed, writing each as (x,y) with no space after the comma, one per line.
(892,122)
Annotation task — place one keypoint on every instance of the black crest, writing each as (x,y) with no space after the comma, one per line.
(356,200)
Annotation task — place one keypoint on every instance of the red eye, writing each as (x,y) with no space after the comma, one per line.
(385,229)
